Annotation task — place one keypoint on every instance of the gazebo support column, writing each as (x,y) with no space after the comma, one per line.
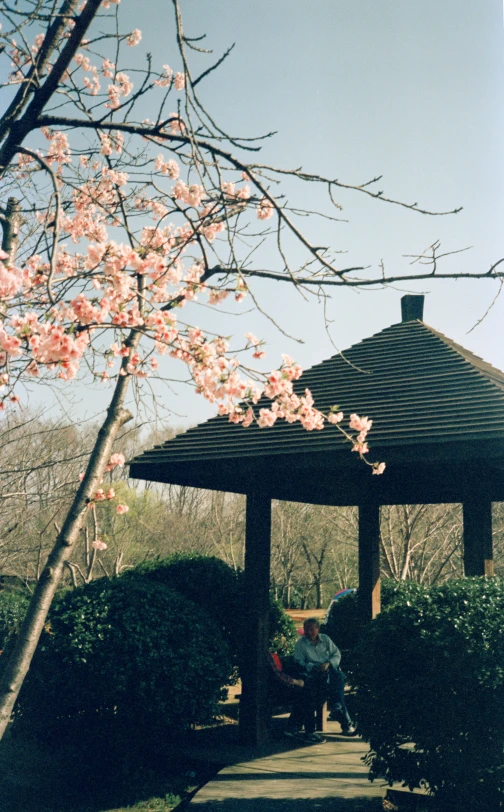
(369,559)
(254,716)
(478,548)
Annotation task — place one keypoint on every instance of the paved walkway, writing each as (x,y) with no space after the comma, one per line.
(315,778)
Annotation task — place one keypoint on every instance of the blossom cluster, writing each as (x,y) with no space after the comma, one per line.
(102,495)
(81,299)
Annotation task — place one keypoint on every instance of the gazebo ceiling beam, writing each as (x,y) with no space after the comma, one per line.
(412,484)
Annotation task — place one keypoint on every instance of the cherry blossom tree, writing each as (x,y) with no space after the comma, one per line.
(114,226)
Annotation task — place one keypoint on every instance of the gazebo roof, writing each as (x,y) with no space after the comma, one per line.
(438,423)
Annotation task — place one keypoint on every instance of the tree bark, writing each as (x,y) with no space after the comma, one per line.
(17,664)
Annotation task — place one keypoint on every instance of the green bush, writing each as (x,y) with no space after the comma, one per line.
(128,654)
(430,701)
(346,626)
(283,634)
(218,590)
(13,606)
(207,581)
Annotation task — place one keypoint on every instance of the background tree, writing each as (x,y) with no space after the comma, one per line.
(421,542)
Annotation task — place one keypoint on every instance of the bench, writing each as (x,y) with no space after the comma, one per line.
(279,694)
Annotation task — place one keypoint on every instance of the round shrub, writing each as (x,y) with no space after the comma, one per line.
(127,653)
(13,606)
(283,634)
(345,624)
(218,590)
(207,581)
(430,700)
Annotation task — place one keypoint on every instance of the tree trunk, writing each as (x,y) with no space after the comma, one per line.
(18,663)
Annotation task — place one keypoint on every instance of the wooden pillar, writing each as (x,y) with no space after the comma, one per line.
(478,547)
(369,559)
(254,708)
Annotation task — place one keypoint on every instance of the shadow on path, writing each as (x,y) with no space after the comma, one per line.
(289,805)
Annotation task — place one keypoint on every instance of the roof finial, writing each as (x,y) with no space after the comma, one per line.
(412,307)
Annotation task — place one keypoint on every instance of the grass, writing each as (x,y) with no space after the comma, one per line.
(165,804)
(60,777)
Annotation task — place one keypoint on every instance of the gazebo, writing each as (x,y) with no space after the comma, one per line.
(438,424)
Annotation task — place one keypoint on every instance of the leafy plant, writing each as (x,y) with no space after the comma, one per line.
(218,590)
(346,625)
(13,606)
(127,655)
(283,634)
(430,678)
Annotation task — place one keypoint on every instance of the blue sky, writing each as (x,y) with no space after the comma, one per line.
(356,88)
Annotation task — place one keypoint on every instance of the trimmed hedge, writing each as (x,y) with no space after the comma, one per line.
(218,590)
(207,581)
(126,655)
(430,701)
(345,624)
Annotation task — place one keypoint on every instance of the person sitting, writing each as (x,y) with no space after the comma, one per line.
(320,658)
(302,714)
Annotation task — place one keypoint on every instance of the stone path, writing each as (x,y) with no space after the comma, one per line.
(315,778)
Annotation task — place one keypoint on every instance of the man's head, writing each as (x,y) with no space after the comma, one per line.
(311,628)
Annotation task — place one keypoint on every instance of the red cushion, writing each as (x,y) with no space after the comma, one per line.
(277,660)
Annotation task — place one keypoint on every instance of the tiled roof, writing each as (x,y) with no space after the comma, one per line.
(417,386)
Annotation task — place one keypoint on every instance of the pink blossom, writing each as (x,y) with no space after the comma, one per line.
(106,144)
(108,68)
(33,369)
(312,419)
(99,545)
(11,344)
(177,126)
(361,448)
(169,168)
(165,78)
(378,467)
(115,459)
(11,280)
(192,195)
(335,417)
(360,423)
(37,42)
(267,418)
(121,87)
(179,81)
(134,38)
(248,419)
(122,508)
(265,209)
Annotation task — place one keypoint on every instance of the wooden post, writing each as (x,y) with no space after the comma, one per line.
(478,547)
(254,707)
(369,559)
